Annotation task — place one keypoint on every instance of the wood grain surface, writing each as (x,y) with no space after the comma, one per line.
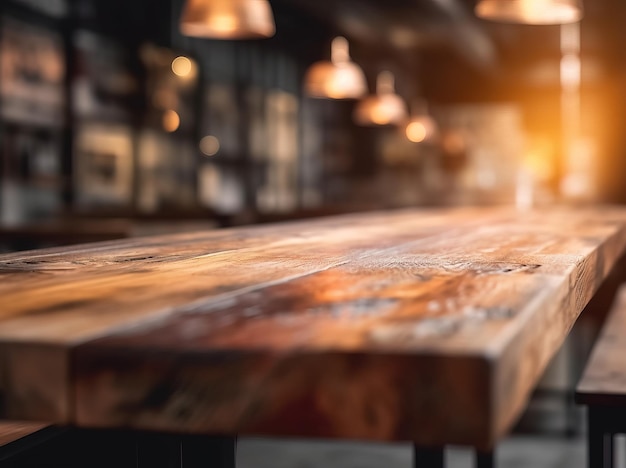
(424,325)
(604,380)
(12,431)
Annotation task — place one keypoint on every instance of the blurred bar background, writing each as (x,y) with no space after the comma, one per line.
(113,123)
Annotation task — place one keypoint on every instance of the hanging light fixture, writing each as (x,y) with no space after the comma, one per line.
(383,108)
(531,11)
(340,78)
(422,127)
(228,19)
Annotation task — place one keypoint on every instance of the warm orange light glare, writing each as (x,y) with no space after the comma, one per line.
(383,108)
(228,19)
(339,78)
(416,132)
(570,71)
(386,109)
(531,11)
(379,115)
(539,158)
(171,121)
(539,165)
(224,24)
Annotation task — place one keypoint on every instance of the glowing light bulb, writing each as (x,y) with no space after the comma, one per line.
(228,19)
(416,132)
(531,11)
(182,66)
(224,24)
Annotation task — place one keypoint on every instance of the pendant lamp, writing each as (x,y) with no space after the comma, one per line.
(228,19)
(422,127)
(339,78)
(531,11)
(383,108)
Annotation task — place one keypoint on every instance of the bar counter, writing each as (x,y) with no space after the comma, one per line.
(430,326)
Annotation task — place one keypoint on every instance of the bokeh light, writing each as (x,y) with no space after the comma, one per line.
(171,121)
(209,145)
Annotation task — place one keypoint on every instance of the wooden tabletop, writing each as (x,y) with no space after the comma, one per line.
(429,326)
(14,431)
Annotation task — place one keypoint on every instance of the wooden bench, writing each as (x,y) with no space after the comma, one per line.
(603,386)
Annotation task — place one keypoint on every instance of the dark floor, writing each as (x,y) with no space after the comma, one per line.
(539,441)
(515,452)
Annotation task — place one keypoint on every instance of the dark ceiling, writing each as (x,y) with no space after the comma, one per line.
(439,40)
(435,47)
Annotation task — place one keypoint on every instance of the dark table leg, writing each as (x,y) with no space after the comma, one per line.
(158,451)
(485,460)
(202,452)
(608,450)
(599,440)
(190,451)
(71,448)
(428,457)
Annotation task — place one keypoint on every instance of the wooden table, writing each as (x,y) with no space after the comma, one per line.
(425,326)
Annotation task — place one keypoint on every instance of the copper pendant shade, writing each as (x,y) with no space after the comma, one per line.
(531,11)
(228,19)
(339,78)
(383,108)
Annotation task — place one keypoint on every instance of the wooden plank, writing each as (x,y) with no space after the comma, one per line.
(604,380)
(35,382)
(25,443)
(54,299)
(11,431)
(73,301)
(452,298)
(430,326)
(391,316)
